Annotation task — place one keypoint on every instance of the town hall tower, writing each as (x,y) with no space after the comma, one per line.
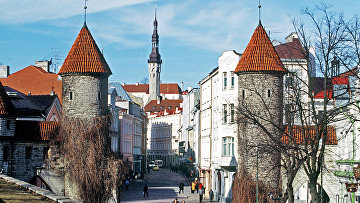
(154,65)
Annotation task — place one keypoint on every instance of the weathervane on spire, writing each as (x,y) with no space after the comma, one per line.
(155,8)
(85,7)
(259,12)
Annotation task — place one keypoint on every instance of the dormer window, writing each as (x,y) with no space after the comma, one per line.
(169,107)
(154,107)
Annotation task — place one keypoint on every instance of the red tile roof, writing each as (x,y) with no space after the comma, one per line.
(6,108)
(299,134)
(35,80)
(167,88)
(291,50)
(260,54)
(85,56)
(168,104)
(136,88)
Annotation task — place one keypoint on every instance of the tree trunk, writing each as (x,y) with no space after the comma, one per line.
(315,197)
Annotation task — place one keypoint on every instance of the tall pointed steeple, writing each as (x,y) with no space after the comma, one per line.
(154,64)
(155,55)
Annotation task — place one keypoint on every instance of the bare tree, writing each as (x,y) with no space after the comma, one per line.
(92,170)
(309,102)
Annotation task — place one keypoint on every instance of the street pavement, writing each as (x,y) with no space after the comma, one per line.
(163,188)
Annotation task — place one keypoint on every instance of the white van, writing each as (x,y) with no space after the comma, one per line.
(159,163)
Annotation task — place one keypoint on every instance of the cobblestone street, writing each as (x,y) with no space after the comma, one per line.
(163,187)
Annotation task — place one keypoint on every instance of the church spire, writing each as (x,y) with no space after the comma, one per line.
(155,55)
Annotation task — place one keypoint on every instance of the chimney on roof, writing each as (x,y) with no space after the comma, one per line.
(136,83)
(4,71)
(291,36)
(123,84)
(182,86)
(45,65)
(52,93)
(29,93)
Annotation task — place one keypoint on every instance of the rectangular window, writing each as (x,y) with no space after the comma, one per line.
(228,146)
(45,152)
(232,113)
(71,96)
(232,79)
(225,113)
(224,80)
(28,152)
(5,153)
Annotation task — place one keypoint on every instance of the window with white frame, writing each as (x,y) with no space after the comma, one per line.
(232,113)
(232,80)
(228,146)
(224,80)
(224,113)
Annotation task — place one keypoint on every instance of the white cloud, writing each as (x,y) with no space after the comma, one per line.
(21,11)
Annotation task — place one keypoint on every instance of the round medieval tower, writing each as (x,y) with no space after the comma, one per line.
(84,79)
(260,76)
(84,88)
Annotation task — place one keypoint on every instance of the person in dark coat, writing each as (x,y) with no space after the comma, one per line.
(181,187)
(145,190)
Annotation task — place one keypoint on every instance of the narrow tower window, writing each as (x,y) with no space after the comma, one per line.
(99,96)
(268,93)
(71,96)
(243,94)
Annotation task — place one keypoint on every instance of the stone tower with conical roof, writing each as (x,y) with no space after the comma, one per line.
(154,65)
(260,76)
(84,79)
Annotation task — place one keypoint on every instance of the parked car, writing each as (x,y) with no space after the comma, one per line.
(155,168)
(151,164)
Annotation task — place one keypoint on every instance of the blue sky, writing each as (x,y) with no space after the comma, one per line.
(193,33)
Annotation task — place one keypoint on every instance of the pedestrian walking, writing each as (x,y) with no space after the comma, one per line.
(175,201)
(181,187)
(193,185)
(211,194)
(197,186)
(201,192)
(183,201)
(145,190)
(127,183)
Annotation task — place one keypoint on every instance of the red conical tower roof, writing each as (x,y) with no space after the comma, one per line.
(260,54)
(85,56)
(6,108)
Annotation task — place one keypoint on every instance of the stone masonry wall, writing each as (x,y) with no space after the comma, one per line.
(22,158)
(262,95)
(7,126)
(85,102)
